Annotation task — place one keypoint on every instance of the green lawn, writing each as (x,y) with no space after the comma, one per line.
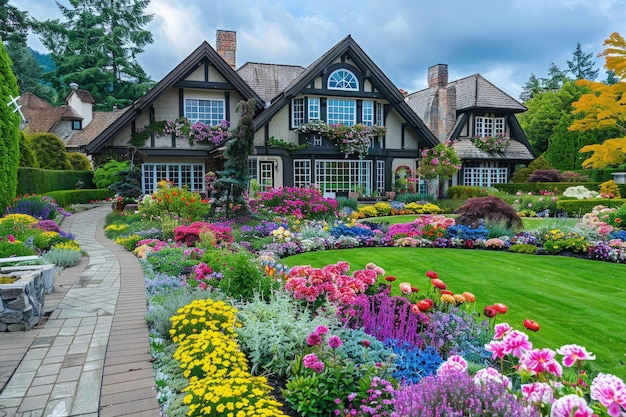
(573,300)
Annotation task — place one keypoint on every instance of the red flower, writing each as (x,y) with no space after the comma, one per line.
(447,292)
(500,308)
(432,274)
(366,343)
(438,283)
(531,325)
(423,305)
(489,311)
(390,278)
(414,289)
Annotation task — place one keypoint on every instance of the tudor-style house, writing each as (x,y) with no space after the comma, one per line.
(343,86)
(297,138)
(468,108)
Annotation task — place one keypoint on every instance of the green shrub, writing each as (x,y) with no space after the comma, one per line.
(66,198)
(50,151)
(41,181)
(8,249)
(413,198)
(104,176)
(79,161)
(523,248)
(577,208)
(62,257)
(342,202)
(464,192)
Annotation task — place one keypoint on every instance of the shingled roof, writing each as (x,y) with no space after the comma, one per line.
(41,116)
(473,92)
(269,80)
(101,120)
(514,151)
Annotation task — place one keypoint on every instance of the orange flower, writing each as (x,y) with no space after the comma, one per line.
(459,298)
(469,297)
(447,298)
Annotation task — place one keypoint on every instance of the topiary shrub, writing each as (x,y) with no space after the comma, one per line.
(478,210)
(79,161)
(545,175)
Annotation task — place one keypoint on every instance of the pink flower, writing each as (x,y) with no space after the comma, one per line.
(501,329)
(11,238)
(321,330)
(570,406)
(405,287)
(515,343)
(314,339)
(334,342)
(312,362)
(611,392)
(455,363)
(540,360)
(496,348)
(573,353)
(538,392)
(491,375)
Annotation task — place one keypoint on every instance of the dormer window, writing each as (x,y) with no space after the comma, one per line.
(342,79)
(77,124)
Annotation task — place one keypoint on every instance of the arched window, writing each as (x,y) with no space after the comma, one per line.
(342,79)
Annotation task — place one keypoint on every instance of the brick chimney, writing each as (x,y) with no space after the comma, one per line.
(438,75)
(226,46)
(443,107)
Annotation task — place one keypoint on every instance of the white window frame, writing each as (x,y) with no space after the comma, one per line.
(379,119)
(314,108)
(208,114)
(338,175)
(340,111)
(380,176)
(297,112)
(301,172)
(343,79)
(489,126)
(191,175)
(485,175)
(367,113)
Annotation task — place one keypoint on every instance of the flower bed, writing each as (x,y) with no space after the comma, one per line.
(335,340)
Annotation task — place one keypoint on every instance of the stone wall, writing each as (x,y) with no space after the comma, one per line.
(21,302)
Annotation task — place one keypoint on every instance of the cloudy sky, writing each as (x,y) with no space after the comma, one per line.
(504,41)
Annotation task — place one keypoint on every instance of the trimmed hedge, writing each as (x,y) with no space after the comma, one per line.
(66,197)
(580,207)
(536,187)
(41,181)
(598,175)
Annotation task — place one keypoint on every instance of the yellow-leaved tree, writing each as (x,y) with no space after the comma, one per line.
(605,107)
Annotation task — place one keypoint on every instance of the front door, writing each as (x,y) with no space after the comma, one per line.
(266,174)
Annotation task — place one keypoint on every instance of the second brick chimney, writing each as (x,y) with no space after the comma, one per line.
(226,46)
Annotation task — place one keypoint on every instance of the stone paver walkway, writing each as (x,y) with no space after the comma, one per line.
(92,356)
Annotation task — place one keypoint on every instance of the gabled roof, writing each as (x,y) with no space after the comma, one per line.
(269,80)
(349,47)
(101,120)
(83,95)
(188,65)
(41,116)
(472,93)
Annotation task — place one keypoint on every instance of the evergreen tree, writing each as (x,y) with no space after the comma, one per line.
(531,88)
(28,159)
(14,24)
(611,78)
(96,46)
(581,66)
(28,72)
(50,151)
(556,78)
(563,146)
(9,132)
